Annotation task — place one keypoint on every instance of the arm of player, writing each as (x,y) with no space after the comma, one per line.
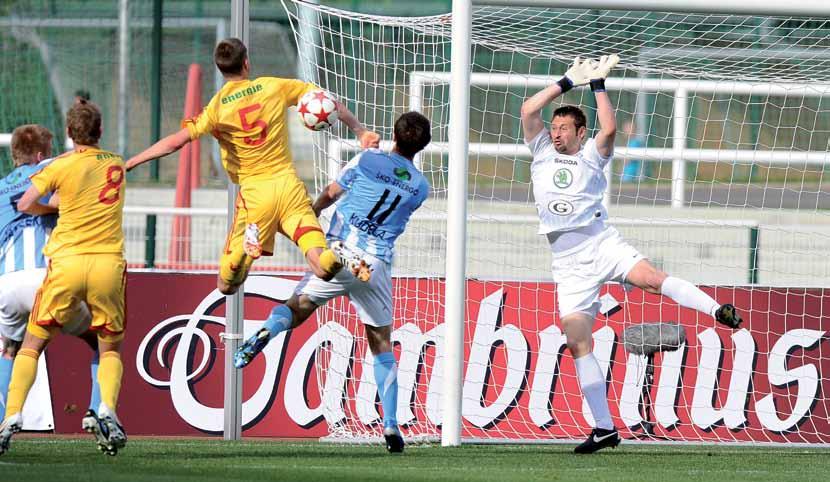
(168,145)
(55,200)
(532,123)
(605,111)
(607,125)
(29,204)
(326,198)
(366,137)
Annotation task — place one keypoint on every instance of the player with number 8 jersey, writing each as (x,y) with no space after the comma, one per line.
(86,252)
(247,117)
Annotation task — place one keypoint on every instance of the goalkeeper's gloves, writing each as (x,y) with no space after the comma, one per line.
(601,70)
(578,74)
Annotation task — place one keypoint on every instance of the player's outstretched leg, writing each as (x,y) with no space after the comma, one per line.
(727,315)
(280,320)
(649,278)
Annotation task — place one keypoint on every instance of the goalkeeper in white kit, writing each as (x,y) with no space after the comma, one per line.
(568,186)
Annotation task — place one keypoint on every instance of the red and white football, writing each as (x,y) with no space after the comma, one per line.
(317,110)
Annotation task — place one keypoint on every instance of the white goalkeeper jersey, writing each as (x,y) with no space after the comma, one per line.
(568,189)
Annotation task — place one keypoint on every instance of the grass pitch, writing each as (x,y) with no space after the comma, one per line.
(49,459)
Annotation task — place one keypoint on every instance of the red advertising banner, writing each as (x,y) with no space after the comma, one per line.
(763,382)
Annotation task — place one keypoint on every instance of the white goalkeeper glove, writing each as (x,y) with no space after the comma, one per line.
(578,74)
(600,71)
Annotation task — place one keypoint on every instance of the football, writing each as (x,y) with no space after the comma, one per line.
(317,110)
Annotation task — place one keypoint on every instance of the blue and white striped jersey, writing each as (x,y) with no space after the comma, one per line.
(22,236)
(383,189)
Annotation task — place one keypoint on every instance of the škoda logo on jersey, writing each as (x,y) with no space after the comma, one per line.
(721,385)
(563,178)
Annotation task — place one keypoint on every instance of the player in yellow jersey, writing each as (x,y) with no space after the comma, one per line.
(247,116)
(86,252)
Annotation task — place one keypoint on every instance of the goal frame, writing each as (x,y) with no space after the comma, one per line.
(458,136)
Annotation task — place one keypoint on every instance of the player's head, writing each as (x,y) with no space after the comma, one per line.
(567,129)
(31,143)
(412,134)
(231,57)
(83,123)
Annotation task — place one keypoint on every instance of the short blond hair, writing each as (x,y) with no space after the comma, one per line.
(28,141)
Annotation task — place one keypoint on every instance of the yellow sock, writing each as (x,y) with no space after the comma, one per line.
(23,376)
(110,370)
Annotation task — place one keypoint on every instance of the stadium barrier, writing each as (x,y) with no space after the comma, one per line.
(759,384)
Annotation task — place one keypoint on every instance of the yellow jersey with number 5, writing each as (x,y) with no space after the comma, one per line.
(248,119)
(90,186)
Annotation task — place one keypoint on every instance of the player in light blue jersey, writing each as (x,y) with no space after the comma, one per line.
(22,264)
(375,196)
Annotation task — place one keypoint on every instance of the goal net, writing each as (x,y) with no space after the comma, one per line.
(718,177)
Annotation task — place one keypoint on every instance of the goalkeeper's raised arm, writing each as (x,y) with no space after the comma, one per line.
(605,111)
(582,72)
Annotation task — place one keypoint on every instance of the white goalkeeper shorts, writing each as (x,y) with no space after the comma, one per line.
(372,300)
(580,272)
(17,295)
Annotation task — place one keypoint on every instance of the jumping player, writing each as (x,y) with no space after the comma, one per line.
(247,116)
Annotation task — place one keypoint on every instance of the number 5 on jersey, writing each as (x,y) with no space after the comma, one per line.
(248,126)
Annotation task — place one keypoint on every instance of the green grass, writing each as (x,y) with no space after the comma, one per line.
(215,460)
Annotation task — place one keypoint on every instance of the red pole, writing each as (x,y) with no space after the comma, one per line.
(179,254)
(195,73)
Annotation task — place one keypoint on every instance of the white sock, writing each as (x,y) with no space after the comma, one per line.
(689,295)
(593,388)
